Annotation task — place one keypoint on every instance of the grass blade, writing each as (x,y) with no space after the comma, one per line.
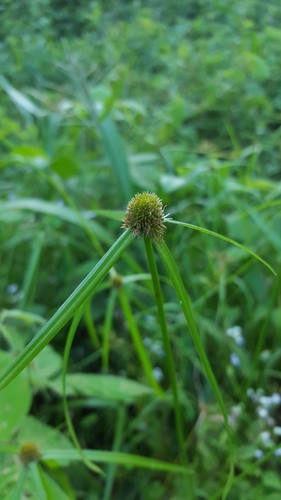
(68,309)
(178,285)
(112,457)
(68,344)
(221,237)
(115,152)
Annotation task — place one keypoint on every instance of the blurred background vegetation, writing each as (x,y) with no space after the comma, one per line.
(100,100)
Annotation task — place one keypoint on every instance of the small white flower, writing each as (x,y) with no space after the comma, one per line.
(240,341)
(147,341)
(236,333)
(277,430)
(234,359)
(12,288)
(157,373)
(258,454)
(265,401)
(262,412)
(270,421)
(265,436)
(276,398)
(251,393)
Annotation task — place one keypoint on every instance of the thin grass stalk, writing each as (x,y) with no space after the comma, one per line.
(107,328)
(169,357)
(31,270)
(71,430)
(91,326)
(178,285)
(262,332)
(166,342)
(136,336)
(111,470)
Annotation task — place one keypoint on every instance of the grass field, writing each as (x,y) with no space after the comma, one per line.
(162,378)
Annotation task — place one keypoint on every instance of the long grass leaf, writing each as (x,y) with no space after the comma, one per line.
(67,349)
(115,152)
(178,285)
(113,457)
(68,309)
(221,237)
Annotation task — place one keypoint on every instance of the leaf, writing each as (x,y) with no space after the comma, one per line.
(52,489)
(63,212)
(107,387)
(14,402)
(43,435)
(221,237)
(114,458)
(65,167)
(115,152)
(20,100)
(68,309)
(271,479)
(47,364)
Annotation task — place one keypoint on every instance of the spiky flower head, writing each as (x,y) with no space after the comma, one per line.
(29,452)
(145,216)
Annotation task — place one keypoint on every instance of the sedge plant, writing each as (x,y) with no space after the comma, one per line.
(144,218)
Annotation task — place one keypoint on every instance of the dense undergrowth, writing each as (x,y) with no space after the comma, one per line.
(99,101)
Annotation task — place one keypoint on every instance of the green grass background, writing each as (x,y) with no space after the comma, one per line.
(98,101)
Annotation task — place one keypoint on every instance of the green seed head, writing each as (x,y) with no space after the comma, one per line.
(29,452)
(145,216)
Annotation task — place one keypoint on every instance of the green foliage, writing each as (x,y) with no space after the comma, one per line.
(99,101)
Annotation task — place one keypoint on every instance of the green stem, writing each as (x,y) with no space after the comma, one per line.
(178,285)
(121,418)
(34,468)
(107,328)
(31,271)
(91,326)
(68,309)
(136,336)
(68,344)
(166,341)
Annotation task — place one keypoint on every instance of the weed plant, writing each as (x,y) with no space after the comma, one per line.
(166,382)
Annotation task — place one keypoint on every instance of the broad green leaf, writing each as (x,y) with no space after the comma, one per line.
(43,435)
(47,364)
(271,479)
(108,387)
(15,401)
(65,167)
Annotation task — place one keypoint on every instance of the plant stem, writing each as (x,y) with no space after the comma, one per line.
(178,285)
(166,342)
(111,470)
(107,328)
(136,336)
(68,344)
(91,326)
